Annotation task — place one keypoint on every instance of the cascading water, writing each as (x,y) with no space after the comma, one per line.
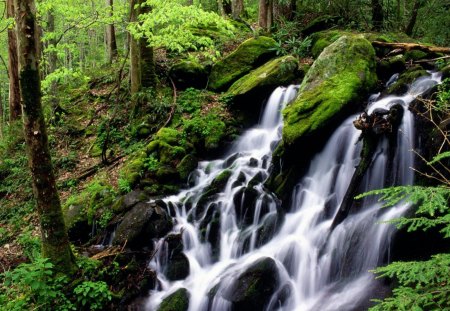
(226,232)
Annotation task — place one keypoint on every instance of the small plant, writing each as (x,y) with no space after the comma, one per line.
(92,295)
(124,185)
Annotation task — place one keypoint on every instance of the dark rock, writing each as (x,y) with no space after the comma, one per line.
(320,23)
(177,301)
(126,202)
(188,74)
(144,222)
(177,267)
(253,162)
(253,289)
(267,229)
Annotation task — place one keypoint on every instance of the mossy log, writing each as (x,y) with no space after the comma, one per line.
(412,46)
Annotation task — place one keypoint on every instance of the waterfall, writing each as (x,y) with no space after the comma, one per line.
(229,221)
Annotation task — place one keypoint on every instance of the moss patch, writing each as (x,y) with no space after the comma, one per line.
(178,301)
(276,72)
(341,75)
(250,54)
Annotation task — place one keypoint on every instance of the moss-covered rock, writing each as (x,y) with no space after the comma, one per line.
(249,55)
(189,74)
(177,301)
(406,78)
(320,40)
(186,166)
(388,66)
(446,72)
(343,73)
(280,71)
(144,222)
(133,169)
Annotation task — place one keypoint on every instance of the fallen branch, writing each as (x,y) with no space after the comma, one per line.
(412,46)
(430,60)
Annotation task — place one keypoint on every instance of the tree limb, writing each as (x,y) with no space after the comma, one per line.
(412,46)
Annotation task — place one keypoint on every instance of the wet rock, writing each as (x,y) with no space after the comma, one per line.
(177,301)
(210,228)
(253,289)
(144,222)
(126,202)
(177,267)
(267,229)
(253,162)
(230,160)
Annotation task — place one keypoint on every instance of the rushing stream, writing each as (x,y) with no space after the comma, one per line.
(315,268)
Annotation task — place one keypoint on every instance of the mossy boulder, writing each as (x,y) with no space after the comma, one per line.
(266,78)
(320,40)
(446,72)
(177,301)
(144,222)
(338,80)
(249,55)
(343,73)
(186,166)
(133,169)
(389,66)
(188,73)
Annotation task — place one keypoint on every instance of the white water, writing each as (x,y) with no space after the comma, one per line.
(319,269)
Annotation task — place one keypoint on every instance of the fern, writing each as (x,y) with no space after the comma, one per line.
(431,206)
(439,157)
(423,285)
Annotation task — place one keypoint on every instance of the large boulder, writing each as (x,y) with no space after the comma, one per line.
(339,79)
(253,289)
(279,71)
(144,222)
(249,55)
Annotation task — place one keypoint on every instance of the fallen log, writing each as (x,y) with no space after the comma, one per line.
(412,46)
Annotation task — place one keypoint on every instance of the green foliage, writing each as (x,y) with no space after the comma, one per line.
(92,295)
(289,40)
(431,206)
(207,130)
(191,100)
(172,25)
(34,286)
(443,97)
(124,185)
(31,245)
(423,285)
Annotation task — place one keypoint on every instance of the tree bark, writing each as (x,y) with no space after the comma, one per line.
(286,11)
(265,19)
(111,34)
(148,73)
(377,14)
(412,21)
(52,66)
(55,242)
(237,8)
(15,107)
(135,68)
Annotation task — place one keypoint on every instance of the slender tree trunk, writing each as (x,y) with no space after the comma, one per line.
(15,108)
(286,10)
(55,242)
(148,73)
(265,19)
(52,66)
(237,8)
(135,64)
(111,34)
(377,14)
(412,21)
(220,7)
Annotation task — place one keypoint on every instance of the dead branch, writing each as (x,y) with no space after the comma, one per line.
(412,46)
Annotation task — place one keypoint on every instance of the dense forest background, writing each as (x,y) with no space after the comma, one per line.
(109,84)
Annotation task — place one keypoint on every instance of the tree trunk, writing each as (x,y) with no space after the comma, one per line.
(135,70)
(265,19)
(286,11)
(412,21)
(148,73)
(111,34)
(377,14)
(52,65)
(15,108)
(220,7)
(237,8)
(55,242)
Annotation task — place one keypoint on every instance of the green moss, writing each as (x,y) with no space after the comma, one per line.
(320,40)
(250,54)
(133,169)
(168,135)
(415,55)
(205,131)
(188,73)
(343,72)
(406,78)
(276,72)
(96,199)
(178,301)
(187,165)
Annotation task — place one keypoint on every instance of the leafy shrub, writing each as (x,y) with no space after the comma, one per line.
(92,295)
